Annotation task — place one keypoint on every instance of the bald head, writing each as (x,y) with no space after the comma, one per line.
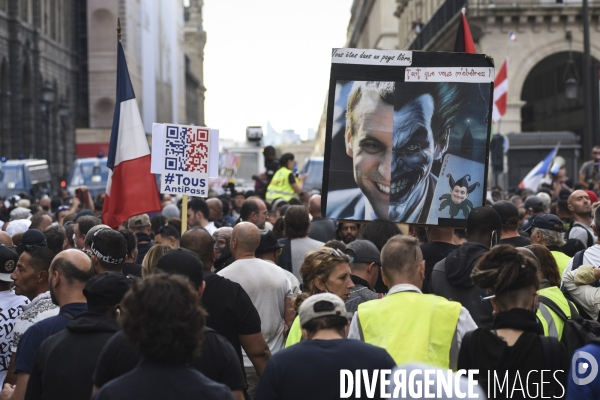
(215,207)
(314,205)
(401,259)
(245,238)
(199,241)
(6,239)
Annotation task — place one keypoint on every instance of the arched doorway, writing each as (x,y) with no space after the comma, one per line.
(547,108)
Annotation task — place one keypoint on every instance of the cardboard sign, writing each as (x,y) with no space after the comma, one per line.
(407,140)
(185,157)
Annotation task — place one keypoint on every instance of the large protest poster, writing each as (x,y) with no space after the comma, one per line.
(228,167)
(407,136)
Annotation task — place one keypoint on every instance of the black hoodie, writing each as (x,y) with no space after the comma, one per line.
(451,278)
(64,364)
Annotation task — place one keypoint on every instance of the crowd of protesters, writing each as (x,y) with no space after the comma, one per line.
(262,297)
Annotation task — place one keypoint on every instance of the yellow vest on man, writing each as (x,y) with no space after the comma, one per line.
(562,260)
(412,327)
(280,187)
(553,325)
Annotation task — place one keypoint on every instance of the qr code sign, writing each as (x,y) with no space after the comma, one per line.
(186,149)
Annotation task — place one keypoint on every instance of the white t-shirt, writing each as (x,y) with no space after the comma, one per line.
(300,247)
(267,286)
(10,309)
(40,308)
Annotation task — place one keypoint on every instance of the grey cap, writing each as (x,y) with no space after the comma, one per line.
(535,203)
(322,305)
(363,251)
(20,213)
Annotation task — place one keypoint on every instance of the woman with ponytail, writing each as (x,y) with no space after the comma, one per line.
(324,270)
(516,346)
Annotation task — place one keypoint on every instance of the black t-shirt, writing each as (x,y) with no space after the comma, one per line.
(271,167)
(433,253)
(230,310)
(150,380)
(217,360)
(311,369)
(517,241)
(132,269)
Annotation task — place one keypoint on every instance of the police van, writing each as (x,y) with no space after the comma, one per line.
(29,176)
(91,172)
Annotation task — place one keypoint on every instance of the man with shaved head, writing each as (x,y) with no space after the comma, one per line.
(6,239)
(215,207)
(267,286)
(580,205)
(69,272)
(230,310)
(321,229)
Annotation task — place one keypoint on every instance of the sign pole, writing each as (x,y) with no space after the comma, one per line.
(184,206)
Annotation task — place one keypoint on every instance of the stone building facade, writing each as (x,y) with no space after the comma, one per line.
(38,75)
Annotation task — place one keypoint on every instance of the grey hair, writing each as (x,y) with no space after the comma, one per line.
(552,238)
(596,222)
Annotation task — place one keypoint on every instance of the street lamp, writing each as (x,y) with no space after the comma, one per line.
(48,93)
(570,77)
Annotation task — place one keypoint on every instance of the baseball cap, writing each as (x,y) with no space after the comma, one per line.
(32,237)
(322,305)
(8,262)
(535,203)
(268,243)
(106,289)
(593,197)
(20,213)
(363,251)
(183,262)
(546,221)
(509,213)
(139,221)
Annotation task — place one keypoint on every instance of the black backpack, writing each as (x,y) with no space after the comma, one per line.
(590,238)
(577,331)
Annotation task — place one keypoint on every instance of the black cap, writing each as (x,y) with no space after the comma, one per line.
(535,203)
(509,213)
(168,231)
(547,221)
(106,289)
(363,251)
(8,262)
(268,243)
(183,262)
(32,237)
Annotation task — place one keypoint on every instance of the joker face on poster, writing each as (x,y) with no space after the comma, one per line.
(390,140)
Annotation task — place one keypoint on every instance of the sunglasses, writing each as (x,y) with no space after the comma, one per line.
(338,254)
(63,208)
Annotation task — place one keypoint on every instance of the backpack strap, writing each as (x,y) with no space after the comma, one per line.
(552,350)
(66,314)
(577,260)
(554,307)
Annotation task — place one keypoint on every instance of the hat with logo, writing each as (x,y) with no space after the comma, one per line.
(547,221)
(139,221)
(8,262)
(106,289)
(322,305)
(363,251)
(268,243)
(509,213)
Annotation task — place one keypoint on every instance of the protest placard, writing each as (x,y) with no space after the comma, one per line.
(407,137)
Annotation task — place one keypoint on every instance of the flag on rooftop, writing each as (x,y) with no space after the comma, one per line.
(131,188)
(512,36)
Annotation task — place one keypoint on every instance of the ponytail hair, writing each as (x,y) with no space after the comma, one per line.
(503,269)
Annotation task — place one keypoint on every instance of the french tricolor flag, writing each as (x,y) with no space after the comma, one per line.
(534,178)
(131,188)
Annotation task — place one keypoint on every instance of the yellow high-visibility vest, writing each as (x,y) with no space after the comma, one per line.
(280,187)
(412,327)
(562,260)
(553,325)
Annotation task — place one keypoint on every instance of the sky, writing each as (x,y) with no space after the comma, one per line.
(269,60)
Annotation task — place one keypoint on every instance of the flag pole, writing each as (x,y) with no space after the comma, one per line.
(184,208)
(119,29)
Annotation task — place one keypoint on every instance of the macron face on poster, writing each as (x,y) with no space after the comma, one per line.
(407,136)
(186,157)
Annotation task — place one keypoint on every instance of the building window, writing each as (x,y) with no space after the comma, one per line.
(53,19)
(25,10)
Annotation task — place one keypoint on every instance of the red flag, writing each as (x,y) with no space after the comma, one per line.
(500,92)
(131,188)
(464,40)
